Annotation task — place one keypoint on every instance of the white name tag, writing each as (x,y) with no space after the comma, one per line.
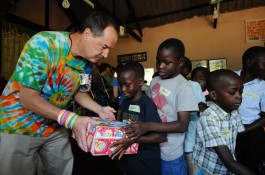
(134,108)
(164,91)
(249,95)
(84,79)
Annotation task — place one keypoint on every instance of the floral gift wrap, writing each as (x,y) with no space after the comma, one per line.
(101,136)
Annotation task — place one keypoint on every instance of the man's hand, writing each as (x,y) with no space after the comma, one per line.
(136,130)
(79,131)
(120,147)
(107,113)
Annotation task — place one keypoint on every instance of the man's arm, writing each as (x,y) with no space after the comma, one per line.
(32,100)
(179,126)
(231,164)
(86,101)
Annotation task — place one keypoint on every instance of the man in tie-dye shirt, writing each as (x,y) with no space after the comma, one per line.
(53,69)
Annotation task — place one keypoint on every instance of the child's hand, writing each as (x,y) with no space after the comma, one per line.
(120,147)
(137,130)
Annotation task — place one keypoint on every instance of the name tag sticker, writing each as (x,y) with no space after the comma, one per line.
(84,79)
(250,95)
(164,91)
(226,133)
(134,108)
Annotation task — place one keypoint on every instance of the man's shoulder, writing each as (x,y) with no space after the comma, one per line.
(51,33)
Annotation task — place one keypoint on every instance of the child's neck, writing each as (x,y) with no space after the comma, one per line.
(246,76)
(173,76)
(137,97)
(224,109)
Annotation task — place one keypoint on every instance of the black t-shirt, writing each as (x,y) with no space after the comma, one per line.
(147,160)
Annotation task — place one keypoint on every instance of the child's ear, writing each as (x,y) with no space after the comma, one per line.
(141,81)
(181,62)
(249,62)
(213,95)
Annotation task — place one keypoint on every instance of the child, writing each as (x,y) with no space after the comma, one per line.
(190,135)
(218,126)
(200,74)
(174,99)
(250,148)
(138,106)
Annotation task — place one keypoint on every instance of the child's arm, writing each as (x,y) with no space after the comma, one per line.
(179,126)
(122,144)
(256,124)
(231,164)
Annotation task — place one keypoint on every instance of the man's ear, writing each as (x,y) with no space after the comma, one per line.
(213,95)
(87,32)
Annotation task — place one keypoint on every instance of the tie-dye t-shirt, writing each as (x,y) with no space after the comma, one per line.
(47,66)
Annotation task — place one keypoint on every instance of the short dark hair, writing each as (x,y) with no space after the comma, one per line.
(97,21)
(175,45)
(187,63)
(119,67)
(135,67)
(103,66)
(204,70)
(216,77)
(251,54)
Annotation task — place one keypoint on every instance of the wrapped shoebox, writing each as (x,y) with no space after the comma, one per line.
(102,135)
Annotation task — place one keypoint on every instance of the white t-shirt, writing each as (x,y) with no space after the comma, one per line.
(190,135)
(172,96)
(253,101)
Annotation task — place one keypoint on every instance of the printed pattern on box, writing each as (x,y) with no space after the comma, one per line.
(101,136)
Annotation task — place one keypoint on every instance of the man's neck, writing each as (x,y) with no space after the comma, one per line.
(73,40)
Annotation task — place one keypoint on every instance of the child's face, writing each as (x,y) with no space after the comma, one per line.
(167,64)
(130,85)
(228,94)
(200,78)
(258,67)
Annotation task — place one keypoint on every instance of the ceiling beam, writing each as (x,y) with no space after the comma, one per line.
(99,6)
(149,17)
(47,13)
(24,22)
(135,19)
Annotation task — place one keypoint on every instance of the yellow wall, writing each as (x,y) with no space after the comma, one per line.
(201,40)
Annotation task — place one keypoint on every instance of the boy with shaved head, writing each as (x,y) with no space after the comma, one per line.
(219,125)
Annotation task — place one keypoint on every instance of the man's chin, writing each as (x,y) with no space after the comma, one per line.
(95,60)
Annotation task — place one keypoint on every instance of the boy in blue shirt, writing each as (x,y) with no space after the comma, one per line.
(138,107)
